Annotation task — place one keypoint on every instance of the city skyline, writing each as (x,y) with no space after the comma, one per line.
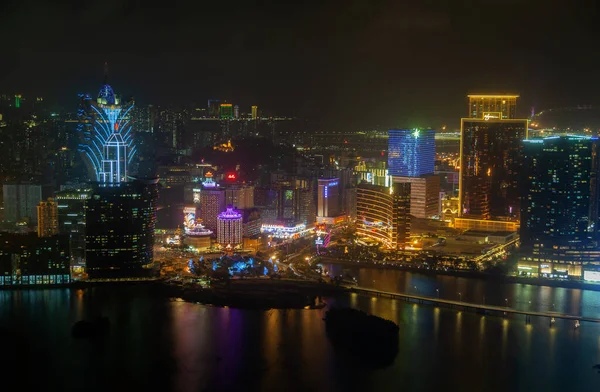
(347,65)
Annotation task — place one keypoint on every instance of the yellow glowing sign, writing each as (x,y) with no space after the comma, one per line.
(491,116)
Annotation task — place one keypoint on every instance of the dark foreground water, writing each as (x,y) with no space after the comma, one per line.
(159,345)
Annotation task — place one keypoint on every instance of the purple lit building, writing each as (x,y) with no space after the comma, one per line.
(229,228)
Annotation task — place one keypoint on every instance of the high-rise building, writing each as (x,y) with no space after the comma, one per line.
(120,223)
(328,198)
(383,214)
(411,159)
(307,213)
(254,112)
(71,221)
(425,195)
(490,164)
(240,196)
(27,260)
(288,201)
(21,201)
(107,142)
(47,213)
(212,203)
(559,207)
(236,112)
(505,105)
(214,108)
(229,228)
(411,152)
(226,111)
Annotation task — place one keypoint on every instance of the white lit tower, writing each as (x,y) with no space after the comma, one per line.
(107,143)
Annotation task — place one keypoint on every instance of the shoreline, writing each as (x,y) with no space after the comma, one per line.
(569,284)
(80,284)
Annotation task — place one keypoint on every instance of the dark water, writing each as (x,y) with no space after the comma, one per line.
(176,346)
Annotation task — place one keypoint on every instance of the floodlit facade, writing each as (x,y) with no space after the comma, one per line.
(479,104)
(229,228)
(383,214)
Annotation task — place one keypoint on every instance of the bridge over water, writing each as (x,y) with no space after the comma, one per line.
(505,310)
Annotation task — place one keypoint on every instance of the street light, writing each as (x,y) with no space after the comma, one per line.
(506,301)
(438,293)
(460,297)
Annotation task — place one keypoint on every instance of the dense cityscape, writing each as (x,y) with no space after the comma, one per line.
(116,191)
(280,196)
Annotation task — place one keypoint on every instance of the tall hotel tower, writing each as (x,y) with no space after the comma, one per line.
(491,152)
(107,139)
(411,157)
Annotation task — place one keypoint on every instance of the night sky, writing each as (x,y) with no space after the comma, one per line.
(351,63)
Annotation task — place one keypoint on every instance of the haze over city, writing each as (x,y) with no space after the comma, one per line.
(311,196)
(354,65)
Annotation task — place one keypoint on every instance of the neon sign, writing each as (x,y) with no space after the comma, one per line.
(231,176)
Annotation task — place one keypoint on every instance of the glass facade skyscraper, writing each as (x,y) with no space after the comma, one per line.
(411,152)
(120,223)
(559,211)
(490,163)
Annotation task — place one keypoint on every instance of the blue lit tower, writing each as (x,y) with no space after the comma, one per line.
(411,157)
(107,139)
(411,152)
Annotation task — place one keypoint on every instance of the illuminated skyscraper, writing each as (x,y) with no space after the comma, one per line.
(226,111)
(47,212)
(254,112)
(107,140)
(559,207)
(411,158)
(490,163)
(328,197)
(229,228)
(411,152)
(506,105)
(383,214)
(212,202)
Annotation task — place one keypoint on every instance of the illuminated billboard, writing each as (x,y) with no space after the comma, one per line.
(592,276)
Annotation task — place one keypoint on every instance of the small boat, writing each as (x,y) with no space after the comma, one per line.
(577,324)
(552,320)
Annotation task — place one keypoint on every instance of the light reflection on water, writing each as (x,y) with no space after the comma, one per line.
(161,345)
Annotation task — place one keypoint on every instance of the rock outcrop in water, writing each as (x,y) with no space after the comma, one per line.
(370,339)
(85,329)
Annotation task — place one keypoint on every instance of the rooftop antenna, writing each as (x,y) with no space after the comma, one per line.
(105,72)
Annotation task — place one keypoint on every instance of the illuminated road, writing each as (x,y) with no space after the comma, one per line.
(495,251)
